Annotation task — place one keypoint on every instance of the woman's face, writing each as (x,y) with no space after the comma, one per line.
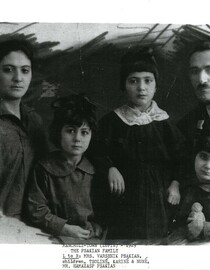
(140,89)
(202,167)
(75,140)
(15,75)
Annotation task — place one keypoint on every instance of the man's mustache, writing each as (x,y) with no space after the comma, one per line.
(203,86)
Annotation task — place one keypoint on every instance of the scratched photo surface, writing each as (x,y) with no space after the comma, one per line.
(73,58)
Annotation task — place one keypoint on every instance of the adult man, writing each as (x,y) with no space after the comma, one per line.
(199,118)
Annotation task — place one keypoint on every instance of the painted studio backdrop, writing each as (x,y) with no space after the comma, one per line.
(75,58)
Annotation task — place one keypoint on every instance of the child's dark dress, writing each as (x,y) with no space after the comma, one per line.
(60,194)
(195,194)
(148,156)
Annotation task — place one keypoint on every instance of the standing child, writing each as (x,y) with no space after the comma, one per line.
(143,150)
(59,199)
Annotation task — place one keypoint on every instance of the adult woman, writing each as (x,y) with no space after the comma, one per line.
(144,153)
(21,134)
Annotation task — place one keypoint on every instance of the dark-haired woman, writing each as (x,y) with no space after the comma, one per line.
(22,137)
(144,152)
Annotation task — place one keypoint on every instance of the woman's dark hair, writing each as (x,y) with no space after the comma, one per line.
(13,45)
(73,110)
(142,61)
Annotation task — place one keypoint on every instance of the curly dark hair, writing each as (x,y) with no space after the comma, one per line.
(73,110)
(12,45)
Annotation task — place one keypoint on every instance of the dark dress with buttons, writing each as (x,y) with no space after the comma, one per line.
(21,142)
(149,157)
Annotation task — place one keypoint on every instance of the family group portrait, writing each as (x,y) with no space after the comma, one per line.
(104,133)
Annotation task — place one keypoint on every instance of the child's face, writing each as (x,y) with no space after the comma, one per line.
(75,140)
(202,167)
(140,88)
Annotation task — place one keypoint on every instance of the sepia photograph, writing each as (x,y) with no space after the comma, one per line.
(104,143)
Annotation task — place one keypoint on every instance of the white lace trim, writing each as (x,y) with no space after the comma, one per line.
(132,116)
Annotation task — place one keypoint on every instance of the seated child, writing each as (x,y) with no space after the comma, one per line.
(195,209)
(59,197)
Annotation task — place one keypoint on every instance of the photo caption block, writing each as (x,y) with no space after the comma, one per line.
(103,257)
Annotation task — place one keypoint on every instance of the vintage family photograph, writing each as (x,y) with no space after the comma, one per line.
(104,134)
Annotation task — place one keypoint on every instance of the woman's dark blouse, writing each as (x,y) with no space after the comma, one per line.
(21,142)
(149,157)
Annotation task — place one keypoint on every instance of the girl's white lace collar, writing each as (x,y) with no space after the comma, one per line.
(132,116)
